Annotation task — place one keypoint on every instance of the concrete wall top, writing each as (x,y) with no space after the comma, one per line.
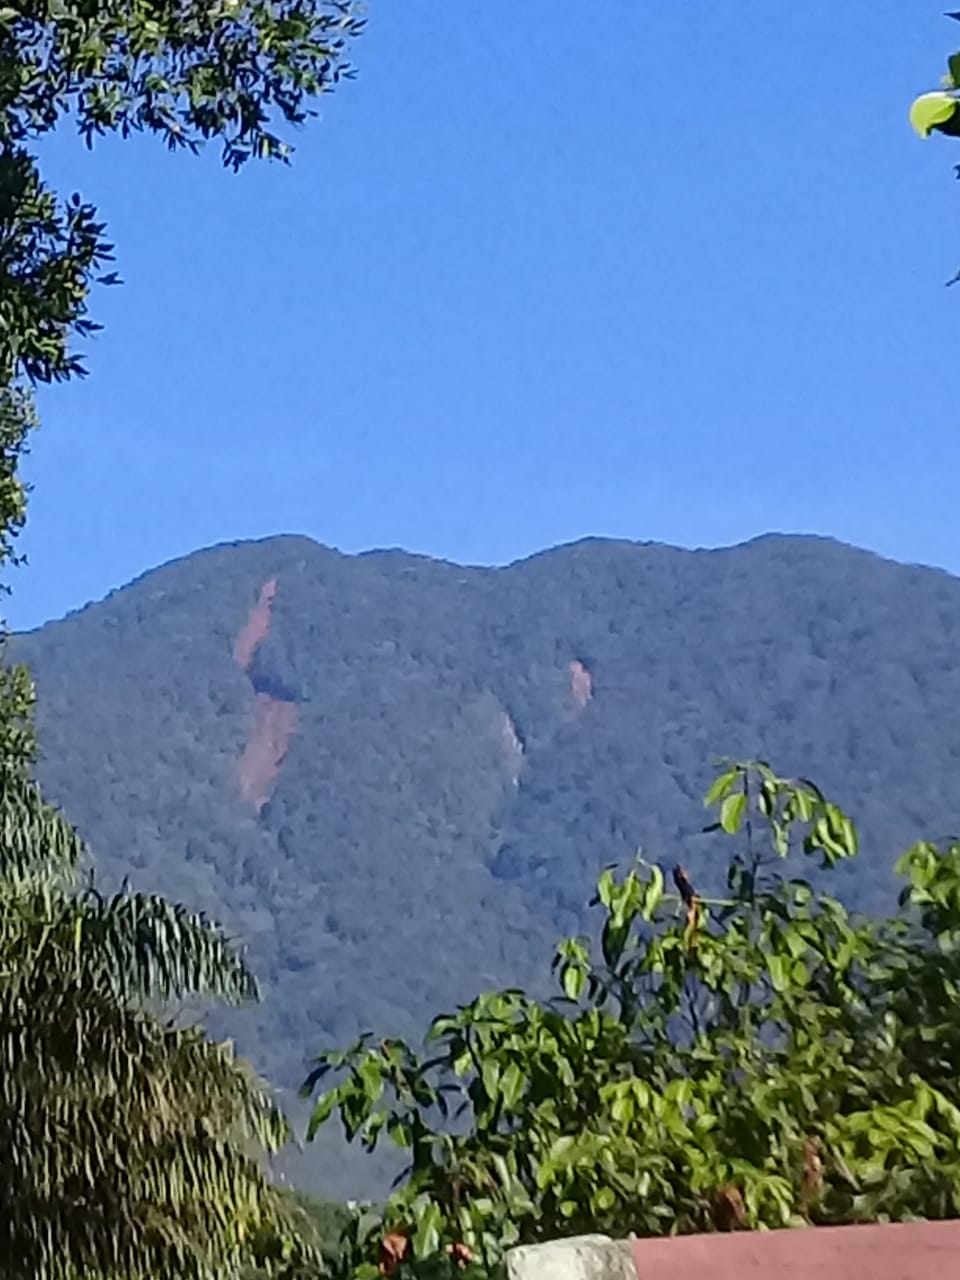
(914,1251)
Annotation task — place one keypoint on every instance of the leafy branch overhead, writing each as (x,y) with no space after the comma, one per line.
(240,72)
(756,1057)
(187,71)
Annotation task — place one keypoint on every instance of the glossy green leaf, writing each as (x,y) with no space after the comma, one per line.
(426,1241)
(930,110)
(322,1110)
(490,1074)
(721,785)
(653,893)
(511,1084)
(777,967)
(574,980)
(603,1199)
(606,887)
(732,811)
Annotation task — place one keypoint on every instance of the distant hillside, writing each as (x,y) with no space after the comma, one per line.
(396,779)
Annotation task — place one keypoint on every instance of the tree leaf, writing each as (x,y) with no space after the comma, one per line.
(721,785)
(490,1074)
(322,1110)
(511,1085)
(779,974)
(426,1241)
(731,812)
(574,979)
(930,110)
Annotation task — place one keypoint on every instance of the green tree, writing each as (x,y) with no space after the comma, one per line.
(758,1058)
(131,1144)
(187,70)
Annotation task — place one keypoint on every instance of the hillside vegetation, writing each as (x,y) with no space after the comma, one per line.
(396,779)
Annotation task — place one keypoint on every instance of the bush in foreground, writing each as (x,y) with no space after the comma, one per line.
(761,1058)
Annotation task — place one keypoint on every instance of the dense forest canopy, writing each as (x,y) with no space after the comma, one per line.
(468,746)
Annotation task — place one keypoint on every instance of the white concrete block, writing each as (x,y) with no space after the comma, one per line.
(592,1257)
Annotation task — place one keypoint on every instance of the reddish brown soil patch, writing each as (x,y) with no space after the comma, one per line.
(257,626)
(275,719)
(265,752)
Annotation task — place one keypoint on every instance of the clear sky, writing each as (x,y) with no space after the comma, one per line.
(648,270)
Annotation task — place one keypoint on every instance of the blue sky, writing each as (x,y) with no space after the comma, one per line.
(655,271)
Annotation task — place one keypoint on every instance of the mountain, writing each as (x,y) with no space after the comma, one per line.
(395,779)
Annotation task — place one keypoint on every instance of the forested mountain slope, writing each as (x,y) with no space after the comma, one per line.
(396,779)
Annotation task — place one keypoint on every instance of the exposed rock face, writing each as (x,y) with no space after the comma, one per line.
(581,683)
(275,718)
(513,748)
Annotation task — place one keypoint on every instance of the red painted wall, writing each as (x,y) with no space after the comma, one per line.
(914,1251)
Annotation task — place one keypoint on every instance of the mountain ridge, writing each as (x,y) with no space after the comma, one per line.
(403,553)
(466,746)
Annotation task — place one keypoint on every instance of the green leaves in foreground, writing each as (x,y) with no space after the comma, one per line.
(759,1059)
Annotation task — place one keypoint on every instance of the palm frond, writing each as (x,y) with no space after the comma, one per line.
(146,947)
(122,1133)
(129,1146)
(36,841)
